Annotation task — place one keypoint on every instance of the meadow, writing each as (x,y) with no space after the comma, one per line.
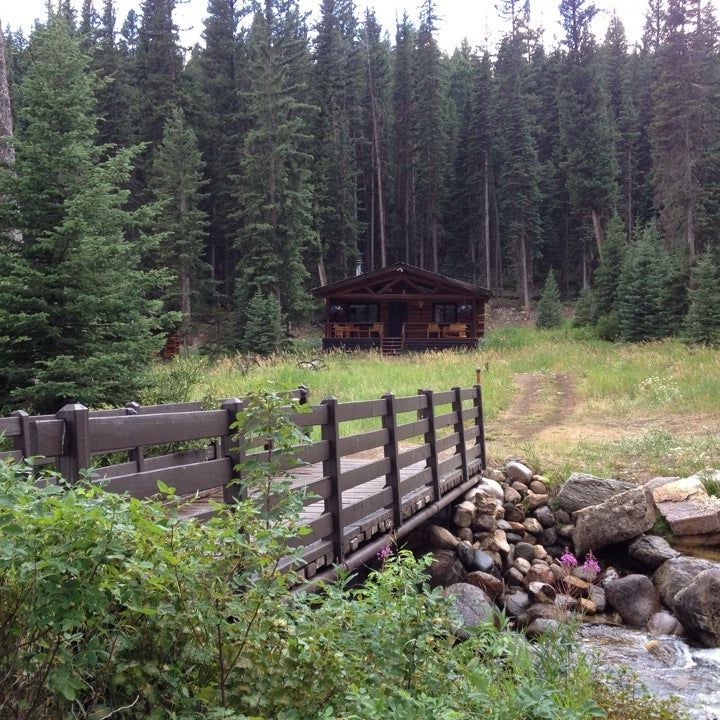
(560,399)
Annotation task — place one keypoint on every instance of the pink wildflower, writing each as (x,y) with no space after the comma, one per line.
(384,552)
(568,559)
(591,565)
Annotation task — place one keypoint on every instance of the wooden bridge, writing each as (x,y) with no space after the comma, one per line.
(361,486)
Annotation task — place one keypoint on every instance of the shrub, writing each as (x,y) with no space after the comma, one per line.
(549,309)
(585,308)
(608,327)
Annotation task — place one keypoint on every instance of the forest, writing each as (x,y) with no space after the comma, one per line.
(149,187)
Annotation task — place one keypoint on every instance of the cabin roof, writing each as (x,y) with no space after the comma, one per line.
(384,281)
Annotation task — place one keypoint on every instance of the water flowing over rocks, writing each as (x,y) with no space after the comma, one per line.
(511,544)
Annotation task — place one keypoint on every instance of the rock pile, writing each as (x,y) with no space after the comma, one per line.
(509,545)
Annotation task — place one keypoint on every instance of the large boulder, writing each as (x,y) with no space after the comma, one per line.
(472,606)
(651,551)
(440,538)
(622,517)
(635,598)
(687,507)
(446,568)
(582,490)
(698,607)
(675,574)
(519,471)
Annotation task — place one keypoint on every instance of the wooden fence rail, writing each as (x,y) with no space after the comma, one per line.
(359,487)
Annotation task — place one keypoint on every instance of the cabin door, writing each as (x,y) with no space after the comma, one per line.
(397,317)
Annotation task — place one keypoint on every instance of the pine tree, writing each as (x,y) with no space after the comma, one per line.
(264,333)
(176,181)
(430,139)
(585,308)
(639,302)
(607,275)
(337,79)
(519,168)
(586,127)
(702,323)
(74,320)
(275,192)
(549,309)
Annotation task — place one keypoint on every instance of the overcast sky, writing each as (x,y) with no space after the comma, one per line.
(475,20)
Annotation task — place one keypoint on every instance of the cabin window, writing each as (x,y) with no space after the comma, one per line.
(363,313)
(445,313)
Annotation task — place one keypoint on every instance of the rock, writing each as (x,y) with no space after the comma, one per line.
(539,573)
(687,507)
(562,517)
(542,626)
(675,574)
(581,490)
(466,553)
(485,504)
(544,515)
(548,537)
(533,501)
(445,569)
(483,523)
(622,517)
(539,488)
(516,603)
(493,474)
(518,471)
(663,623)
(465,534)
(463,514)
(486,486)
(517,527)
(513,577)
(440,538)
(546,612)
(542,592)
(575,585)
(522,565)
(511,495)
(540,552)
(492,586)
(501,543)
(651,551)
(513,513)
(525,550)
(697,607)
(597,595)
(565,602)
(586,606)
(635,598)
(520,488)
(558,572)
(610,574)
(503,525)
(694,541)
(482,562)
(540,478)
(584,573)
(513,537)
(472,606)
(533,526)
(565,531)
(657,482)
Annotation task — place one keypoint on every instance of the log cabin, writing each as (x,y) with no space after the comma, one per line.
(402,308)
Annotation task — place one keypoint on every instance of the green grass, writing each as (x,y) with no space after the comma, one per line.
(639,388)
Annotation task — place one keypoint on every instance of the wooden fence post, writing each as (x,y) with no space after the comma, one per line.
(22,441)
(137,454)
(392,452)
(233,447)
(76,446)
(331,469)
(480,422)
(460,448)
(431,439)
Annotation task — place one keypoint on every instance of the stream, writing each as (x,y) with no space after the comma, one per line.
(665,665)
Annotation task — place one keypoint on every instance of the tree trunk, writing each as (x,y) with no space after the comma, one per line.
(524,272)
(487,225)
(7,151)
(691,228)
(435,245)
(598,230)
(629,196)
(371,249)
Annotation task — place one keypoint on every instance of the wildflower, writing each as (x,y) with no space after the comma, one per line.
(591,565)
(384,552)
(568,559)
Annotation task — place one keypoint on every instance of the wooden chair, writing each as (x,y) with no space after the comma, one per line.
(458,330)
(376,330)
(433,330)
(339,330)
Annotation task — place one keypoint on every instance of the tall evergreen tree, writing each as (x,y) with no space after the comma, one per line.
(74,321)
(430,139)
(337,79)
(176,181)
(607,275)
(549,309)
(585,123)
(702,323)
(275,192)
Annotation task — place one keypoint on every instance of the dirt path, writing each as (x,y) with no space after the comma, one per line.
(542,401)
